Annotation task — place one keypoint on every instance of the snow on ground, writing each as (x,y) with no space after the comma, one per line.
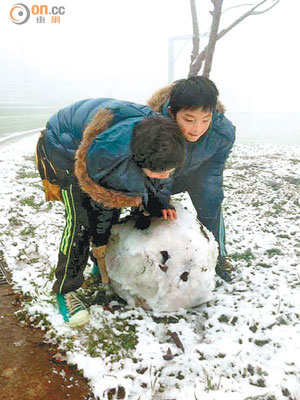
(242,345)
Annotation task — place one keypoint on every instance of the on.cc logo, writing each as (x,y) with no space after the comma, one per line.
(19,14)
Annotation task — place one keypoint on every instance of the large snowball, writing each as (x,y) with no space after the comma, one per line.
(166,267)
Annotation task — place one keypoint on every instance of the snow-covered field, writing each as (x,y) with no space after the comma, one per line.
(242,345)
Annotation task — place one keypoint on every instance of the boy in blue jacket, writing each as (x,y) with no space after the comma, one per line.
(209,137)
(98,156)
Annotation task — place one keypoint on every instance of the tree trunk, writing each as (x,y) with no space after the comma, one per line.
(213,37)
(197,64)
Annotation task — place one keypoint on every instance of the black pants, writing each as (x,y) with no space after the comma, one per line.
(86,222)
(207,204)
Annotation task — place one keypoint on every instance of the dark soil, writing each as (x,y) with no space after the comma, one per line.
(29,367)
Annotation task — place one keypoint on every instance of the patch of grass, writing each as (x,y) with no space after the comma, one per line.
(168,319)
(268,214)
(297,203)
(260,383)
(30,158)
(22,316)
(23,174)
(278,208)
(21,254)
(15,221)
(94,293)
(51,274)
(283,236)
(209,382)
(253,328)
(116,393)
(257,203)
(274,252)
(180,376)
(264,265)
(292,180)
(224,318)
(33,260)
(247,255)
(261,342)
(274,185)
(261,372)
(49,206)
(250,369)
(41,319)
(201,355)
(240,176)
(295,161)
(228,186)
(118,340)
(28,231)
(38,186)
(247,166)
(286,392)
(29,201)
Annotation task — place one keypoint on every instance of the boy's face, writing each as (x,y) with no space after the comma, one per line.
(193,123)
(158,175)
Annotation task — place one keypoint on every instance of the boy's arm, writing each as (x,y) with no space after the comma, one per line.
(210,179)
(159,199)
(101,221)
(211,172)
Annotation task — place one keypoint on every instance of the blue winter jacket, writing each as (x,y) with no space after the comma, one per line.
(108,157)
(202,173)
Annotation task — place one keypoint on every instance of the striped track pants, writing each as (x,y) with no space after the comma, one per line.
(86,221)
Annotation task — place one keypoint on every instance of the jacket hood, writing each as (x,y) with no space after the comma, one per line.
(161,97)
(109,198)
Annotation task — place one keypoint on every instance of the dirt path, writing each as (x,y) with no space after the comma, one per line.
(28,366)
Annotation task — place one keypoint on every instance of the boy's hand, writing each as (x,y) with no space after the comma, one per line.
(169,214)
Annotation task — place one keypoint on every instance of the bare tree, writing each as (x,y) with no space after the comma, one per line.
(204,58)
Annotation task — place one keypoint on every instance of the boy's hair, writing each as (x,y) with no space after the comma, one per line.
(157,144)
(193,92)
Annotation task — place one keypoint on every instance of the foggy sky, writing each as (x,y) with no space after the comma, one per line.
(119,48)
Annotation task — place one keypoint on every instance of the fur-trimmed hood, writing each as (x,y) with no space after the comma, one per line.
(107,197)
(161,96)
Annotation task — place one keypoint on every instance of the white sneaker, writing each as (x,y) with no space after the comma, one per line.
(72,309)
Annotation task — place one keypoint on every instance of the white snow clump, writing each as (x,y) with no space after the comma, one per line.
(167,267)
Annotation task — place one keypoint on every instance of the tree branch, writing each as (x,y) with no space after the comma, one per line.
(267,9)
(242,17)
(196,40)
(197,64)
(213,37)
(240,5)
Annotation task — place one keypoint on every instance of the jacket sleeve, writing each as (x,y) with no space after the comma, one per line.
(210,178)
(159,193)
(102,219)
(211,175)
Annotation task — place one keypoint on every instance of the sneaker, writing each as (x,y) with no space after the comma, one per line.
(225,269)
(72,309)
(95,270)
